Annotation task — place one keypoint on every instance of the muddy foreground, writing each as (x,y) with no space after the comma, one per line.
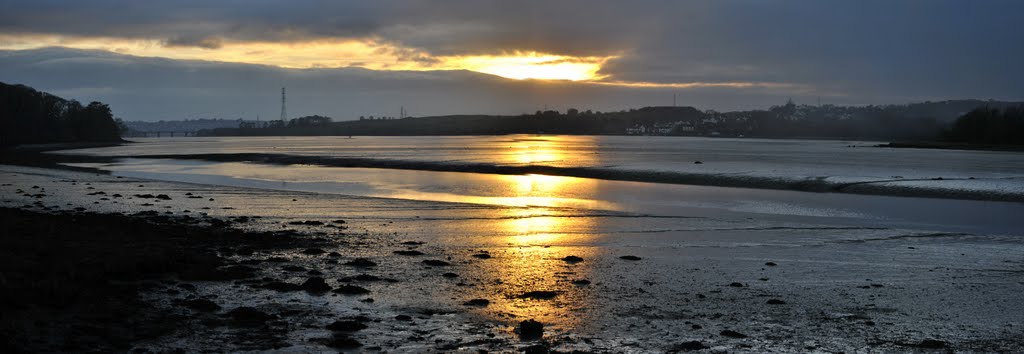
(97,263)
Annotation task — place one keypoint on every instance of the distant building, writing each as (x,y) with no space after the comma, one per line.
(638,129)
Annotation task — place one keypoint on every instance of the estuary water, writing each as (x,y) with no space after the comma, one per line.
(419,168)
(868,248)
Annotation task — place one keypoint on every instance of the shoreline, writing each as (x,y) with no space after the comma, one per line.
(602,303)
(814,185)
(80,291)
(942,145)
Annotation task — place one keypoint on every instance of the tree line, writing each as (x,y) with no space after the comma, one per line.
(28,116)
(987,125)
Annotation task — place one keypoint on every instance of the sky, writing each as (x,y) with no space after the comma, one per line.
(168,60)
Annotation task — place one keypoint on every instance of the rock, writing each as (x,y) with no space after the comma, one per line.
(350,290)
(732,334)
(316,285)
(361,262)
(538,295)
(776,302)
(696,326)
(477,302)
(689,346)
(630,258)
(409,253)
(366,277)
(931,344)
(572,259)
(313,251)
(581,282)
(248,316)
(530,330)
(450,275)
(697,162)
(339,221)
(203,305)
(537,349)
(293,268)
(736,284)
(482,256)
(163,197)
(334,255)
(436,263)
(403,318)
(346,326)
(771,264)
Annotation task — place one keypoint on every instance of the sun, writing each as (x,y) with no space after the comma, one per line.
(532,65)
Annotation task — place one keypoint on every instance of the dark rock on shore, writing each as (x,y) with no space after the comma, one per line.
(538,295)
(630,258)
(346,326)
(361,262)
(477,302)
(776,302)
(436,263)
(732,334)
(482,256)
(530,330)
(931,344)
(688,346)
(572,259)
(316,285)
(360,277)
(736,284)
(249,317)
(313,251)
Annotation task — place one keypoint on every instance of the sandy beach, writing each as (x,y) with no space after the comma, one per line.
(214,268)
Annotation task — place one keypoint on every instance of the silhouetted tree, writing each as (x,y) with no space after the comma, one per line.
(29,116)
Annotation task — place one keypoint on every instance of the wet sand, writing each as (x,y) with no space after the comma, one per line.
(232,269)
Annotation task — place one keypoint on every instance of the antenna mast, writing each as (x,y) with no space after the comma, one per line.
(284,114)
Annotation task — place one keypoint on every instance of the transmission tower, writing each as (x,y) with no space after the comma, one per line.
(284,113)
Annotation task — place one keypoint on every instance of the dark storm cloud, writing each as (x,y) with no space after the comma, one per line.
(152,89)
(851,51)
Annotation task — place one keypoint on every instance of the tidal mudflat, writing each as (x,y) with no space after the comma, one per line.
(220,268)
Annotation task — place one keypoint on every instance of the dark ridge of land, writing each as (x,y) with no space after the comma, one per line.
(915,121)
(816,184)
(72,280)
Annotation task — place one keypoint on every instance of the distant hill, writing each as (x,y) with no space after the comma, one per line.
(916,121)
(187,125)
(28,116)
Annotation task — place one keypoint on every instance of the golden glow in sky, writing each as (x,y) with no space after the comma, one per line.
(369,54)
(365,53)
